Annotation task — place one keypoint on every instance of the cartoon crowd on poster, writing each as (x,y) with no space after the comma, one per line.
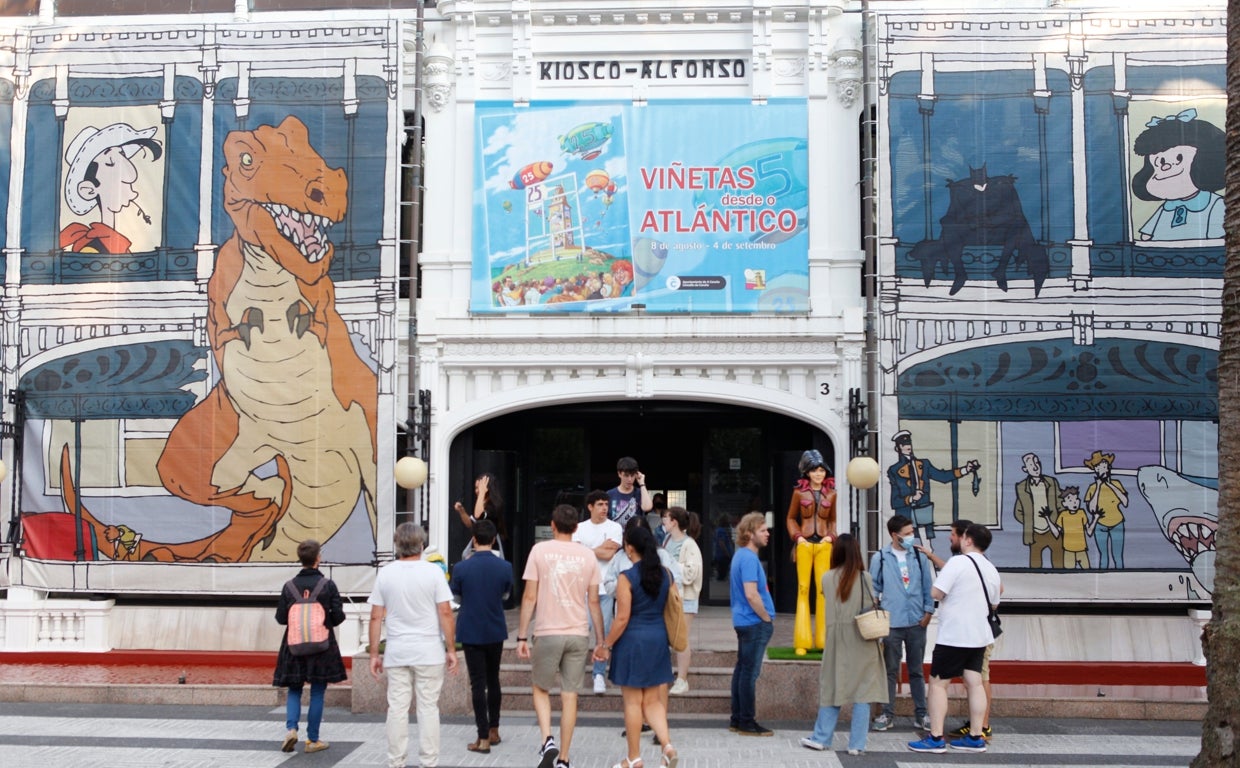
(1054,389)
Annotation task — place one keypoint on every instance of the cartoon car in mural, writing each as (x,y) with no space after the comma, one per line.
(286,439)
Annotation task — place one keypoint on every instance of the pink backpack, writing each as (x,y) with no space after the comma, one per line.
(307,621)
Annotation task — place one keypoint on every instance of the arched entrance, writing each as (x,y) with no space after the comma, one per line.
(722,460)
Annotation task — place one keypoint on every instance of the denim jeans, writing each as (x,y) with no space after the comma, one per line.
(750,650)
(313,717)
(913,640)
(608,604)
(1114,538)
(824,726)
(482,661)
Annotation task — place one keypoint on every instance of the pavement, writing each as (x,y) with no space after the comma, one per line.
(38,735)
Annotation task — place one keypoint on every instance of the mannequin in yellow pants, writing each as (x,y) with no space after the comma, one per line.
(811,526)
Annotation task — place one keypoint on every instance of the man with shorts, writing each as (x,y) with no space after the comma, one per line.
(561,581)
(957,531)
(964,634)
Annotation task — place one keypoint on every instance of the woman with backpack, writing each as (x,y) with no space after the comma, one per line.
(310,606)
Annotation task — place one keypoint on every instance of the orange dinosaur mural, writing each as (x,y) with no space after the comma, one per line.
(286,439)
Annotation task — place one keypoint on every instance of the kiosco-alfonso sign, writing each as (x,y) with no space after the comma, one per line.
(677,207)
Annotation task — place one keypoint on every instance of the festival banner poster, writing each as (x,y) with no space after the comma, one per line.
(670,207)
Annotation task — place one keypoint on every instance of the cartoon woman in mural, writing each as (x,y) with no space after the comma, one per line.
(1103,500)
(811,526)
(1184,164)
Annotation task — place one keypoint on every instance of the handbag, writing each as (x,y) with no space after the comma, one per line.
(992,616)
(674,616)
(874,624)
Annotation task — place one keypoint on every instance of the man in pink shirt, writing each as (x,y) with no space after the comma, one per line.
(561,581)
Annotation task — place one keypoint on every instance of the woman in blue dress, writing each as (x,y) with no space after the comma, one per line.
(641,663)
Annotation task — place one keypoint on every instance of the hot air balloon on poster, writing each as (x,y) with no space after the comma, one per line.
(597,181)
(586,140)
(531,174)
(507,205)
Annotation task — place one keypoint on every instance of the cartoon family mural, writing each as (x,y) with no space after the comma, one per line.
(1054,317)
(236,451)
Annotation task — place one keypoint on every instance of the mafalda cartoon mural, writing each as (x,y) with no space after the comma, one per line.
(233,413)
(1050,275)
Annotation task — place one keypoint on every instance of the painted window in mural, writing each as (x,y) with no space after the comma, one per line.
(209,389)
(1051,267)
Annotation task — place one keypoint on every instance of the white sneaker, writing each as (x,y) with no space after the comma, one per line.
(809,743)
(679,687)
(600,684)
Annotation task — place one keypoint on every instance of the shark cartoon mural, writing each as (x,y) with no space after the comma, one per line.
(1052,313)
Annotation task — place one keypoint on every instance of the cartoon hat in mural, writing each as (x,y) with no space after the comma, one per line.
(1098,457)
(903,437)
(810,460)
(87,145)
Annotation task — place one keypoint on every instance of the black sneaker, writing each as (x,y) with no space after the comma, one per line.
(963,730)
(754,729)
(548,753)
(562,764)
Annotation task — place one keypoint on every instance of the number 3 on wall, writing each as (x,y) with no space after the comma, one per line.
(825,388)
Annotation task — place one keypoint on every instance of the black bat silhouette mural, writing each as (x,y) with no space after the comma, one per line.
(983,211)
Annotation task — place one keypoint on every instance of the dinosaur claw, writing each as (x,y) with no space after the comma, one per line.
(251,318)
(298,318)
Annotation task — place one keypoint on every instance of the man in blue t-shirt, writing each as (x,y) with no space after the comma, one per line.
(631,496)
(753,618)
(481,583)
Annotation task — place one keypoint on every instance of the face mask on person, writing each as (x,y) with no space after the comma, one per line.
(906,542)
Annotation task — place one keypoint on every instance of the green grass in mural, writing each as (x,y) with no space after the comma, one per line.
(781,653)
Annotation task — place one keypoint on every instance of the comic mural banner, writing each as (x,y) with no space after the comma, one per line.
(204,225)
(1051,267)
(675,207)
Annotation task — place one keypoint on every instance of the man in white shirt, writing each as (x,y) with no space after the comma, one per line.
(411,596)
(604,537)
(966,588)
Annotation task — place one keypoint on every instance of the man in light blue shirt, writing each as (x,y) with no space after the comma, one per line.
(902,580)
(753,618)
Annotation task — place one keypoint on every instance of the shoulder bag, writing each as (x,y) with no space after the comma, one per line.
(875,623)
(674,616)
(992,616)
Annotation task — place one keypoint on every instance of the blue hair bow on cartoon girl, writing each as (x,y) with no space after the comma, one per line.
(1184,117)
(1184,163)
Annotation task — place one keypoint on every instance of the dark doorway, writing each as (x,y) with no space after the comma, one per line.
(726,460)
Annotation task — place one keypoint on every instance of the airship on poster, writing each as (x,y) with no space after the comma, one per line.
(587,140)
(533,173)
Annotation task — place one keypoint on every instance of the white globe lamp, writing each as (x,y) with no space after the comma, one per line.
(862,473)
(410,472)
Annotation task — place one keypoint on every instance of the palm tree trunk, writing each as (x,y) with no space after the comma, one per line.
(1221,639)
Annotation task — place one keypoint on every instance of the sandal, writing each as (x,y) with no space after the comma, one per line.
(629,763)
(670,757)
(481,746)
